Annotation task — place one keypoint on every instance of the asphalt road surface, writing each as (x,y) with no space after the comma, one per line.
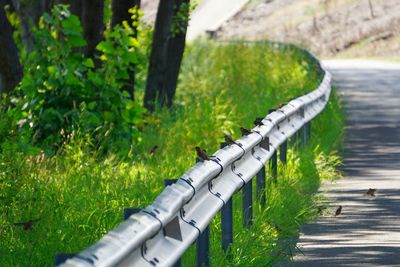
(367,232)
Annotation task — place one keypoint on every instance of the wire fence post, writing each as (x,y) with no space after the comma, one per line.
(226,221)
(203,246)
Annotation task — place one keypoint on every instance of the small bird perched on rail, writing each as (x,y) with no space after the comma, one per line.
(245,131)
(258,122)
(201,154)
(320,209)
(280,105)
(229,140)
(371,192)
(27,225)
(338,211)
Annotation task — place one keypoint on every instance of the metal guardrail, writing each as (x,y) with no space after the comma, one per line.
(159,234)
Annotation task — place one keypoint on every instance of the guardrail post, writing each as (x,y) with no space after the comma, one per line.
(168,182)
(304,134)
(260,181)
(226,221)
(247,204)
(308,126)
(293,140)
(298,139)
(62,257)
(274,160)
(274,166)
(283,152)
(203,246)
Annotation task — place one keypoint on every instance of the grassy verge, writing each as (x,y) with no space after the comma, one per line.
(79,195)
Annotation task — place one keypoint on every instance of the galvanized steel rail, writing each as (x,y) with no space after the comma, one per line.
(159,234)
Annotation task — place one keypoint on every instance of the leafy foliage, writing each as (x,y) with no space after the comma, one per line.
(63,93)
(181,19)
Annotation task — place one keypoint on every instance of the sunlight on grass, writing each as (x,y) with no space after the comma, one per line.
(80,195)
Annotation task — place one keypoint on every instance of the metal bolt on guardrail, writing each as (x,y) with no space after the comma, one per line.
(159,234)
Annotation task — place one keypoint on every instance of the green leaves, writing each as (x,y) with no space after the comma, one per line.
(65,92)
(105,46)
(181,20)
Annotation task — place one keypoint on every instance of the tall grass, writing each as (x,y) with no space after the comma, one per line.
(79,195)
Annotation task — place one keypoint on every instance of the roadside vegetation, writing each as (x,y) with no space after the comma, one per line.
(74,180)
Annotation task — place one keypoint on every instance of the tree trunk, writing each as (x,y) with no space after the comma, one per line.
(176,48)
(371,9)
(75,6)
(91,15)
(120,12)
(29,13)
(10,67)
(158,56)
(93,25)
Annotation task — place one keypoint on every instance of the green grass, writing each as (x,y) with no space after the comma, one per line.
(80,195)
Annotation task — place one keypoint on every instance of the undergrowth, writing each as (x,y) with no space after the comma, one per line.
(79,194)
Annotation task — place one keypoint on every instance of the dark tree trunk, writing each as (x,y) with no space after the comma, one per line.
(120,11)
(176,48)
(119,14)
(10,68)
(158,56)
(371,9)
(93,25)
(91,15)
(29,13)
(75,6)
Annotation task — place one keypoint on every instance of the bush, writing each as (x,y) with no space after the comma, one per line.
(64,93)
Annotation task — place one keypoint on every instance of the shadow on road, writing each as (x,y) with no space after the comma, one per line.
(367,233)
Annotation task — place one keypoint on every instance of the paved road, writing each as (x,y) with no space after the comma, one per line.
(211,14)
(367,233)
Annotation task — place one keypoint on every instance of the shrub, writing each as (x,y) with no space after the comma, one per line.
(64,93)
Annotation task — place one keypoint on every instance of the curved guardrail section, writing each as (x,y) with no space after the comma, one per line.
(159,234)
